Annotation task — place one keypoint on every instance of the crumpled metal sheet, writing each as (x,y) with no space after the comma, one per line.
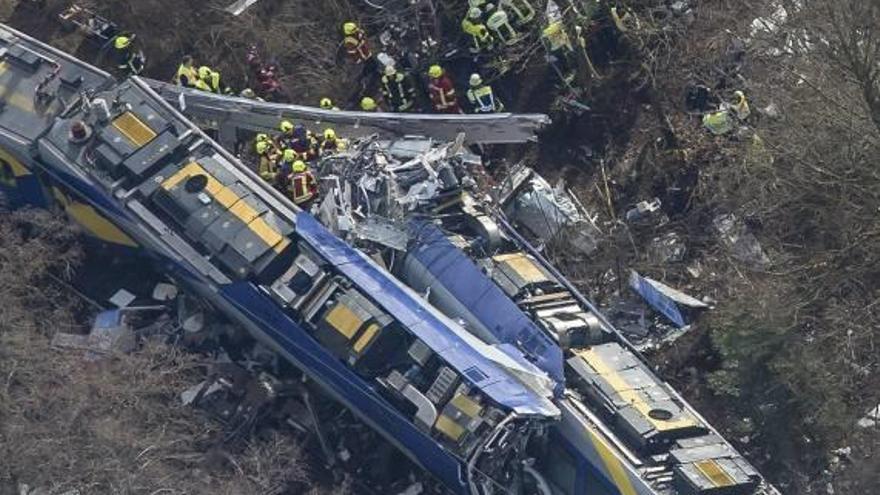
(257,116)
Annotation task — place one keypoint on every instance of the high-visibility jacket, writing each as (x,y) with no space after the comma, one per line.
(186,75)
(268,168)
(332,145)
(483,100)
(202,85)
(442,93)
(356,46)
(398,91)
(303,187)
(214,82)
(480,35)
(556,38)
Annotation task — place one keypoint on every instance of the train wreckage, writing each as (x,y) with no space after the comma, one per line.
(412,295)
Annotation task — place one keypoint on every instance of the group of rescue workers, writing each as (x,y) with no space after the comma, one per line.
(284,158)
(398,87)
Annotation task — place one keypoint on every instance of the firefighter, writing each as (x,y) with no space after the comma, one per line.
(304,143)
(303,186)
(442,91)
(186,72)
(559,49)
(285,169)
(522,9)
(211,78)
(355,43)
(482,97)
(481,38)
(126,58)
(327,104)
(268,166)
(369,105)
(499,23)
(283,140)
(331,143)
(398,89)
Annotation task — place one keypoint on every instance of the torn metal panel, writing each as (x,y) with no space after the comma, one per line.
(664,299)
(221,111)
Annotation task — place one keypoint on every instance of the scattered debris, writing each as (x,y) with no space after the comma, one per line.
(742,244)
(122,298)
(671,303)
(643,211)
(668,248)
(871,419)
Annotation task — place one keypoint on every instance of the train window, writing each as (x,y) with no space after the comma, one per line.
(6,173)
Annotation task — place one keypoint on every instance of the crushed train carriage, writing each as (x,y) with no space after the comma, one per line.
(569,407)
(431,213)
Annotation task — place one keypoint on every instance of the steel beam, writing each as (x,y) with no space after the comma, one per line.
(219,111)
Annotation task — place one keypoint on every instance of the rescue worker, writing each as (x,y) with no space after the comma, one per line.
(522,9)
(268,166)
(355,43)
(369,105)
(186,72)
(285,169)
(740,105)
(249,94)
(283,140)
(211,77)
(398,90)
(304,143)
(499,23)
(441,89)
(327,104)
(481,38)
(482,97)
(126,58)
(559,49)
(331,143)
(303,186)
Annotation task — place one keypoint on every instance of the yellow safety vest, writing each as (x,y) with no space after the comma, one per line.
(483,100)
(186,71)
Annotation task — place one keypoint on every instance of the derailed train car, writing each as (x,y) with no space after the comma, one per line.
(623,431)
(135,172)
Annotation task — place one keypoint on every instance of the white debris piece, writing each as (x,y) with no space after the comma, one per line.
(164,292)
(239,6)
(871,419)
(122,298)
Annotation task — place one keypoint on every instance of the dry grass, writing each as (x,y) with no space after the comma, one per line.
(115,426)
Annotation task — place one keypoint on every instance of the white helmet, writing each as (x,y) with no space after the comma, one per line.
(475,13)
(476,80)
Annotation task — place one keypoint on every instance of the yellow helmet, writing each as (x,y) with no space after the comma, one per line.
(435,71)
(390,70)
(286,126)
(326,103)
(289,155)
(122,42)
(349,28)
(299,166)
(204,72)
(262,147)
(476,80)
(368,104)
(329,134)
(262,137)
